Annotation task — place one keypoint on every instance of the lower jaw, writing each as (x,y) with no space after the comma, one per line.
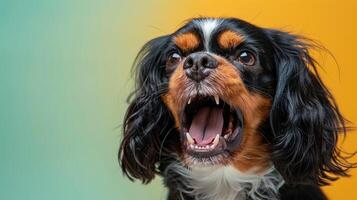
(221,159)
(221,155)
(226,159)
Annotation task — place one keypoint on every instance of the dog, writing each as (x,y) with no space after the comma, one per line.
(226,110)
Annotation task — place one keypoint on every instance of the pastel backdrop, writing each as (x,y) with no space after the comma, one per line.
(65,76)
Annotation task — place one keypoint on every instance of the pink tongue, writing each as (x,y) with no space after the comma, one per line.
(206,124)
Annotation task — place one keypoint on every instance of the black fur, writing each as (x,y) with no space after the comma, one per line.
(147,121)
(302,128)
(305,119)
(301,192)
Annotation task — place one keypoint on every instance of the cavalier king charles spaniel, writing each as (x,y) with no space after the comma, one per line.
(226,110)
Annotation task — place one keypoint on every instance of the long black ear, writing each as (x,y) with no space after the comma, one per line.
(147,120)
(305,119)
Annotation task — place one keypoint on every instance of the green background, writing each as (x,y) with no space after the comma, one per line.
(64,78)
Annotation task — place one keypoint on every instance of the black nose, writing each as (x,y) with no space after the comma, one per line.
(199,65)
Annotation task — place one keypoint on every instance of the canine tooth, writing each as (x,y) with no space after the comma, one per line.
(189,101)
(226,136)
(216,98)
(192,146)
(215,141)
(235,133)
(189,138)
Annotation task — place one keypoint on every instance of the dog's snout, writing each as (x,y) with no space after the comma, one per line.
(199,65)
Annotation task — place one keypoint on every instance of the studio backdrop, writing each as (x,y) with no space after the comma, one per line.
(65,76)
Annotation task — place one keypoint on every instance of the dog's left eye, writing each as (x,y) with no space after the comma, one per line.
(173,59)
(246,58)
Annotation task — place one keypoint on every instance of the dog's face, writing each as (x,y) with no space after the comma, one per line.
(225,92)
(220,84)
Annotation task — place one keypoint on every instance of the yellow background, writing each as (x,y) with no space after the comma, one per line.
(65,76)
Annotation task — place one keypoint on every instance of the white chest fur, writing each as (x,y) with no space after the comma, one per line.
(227,183)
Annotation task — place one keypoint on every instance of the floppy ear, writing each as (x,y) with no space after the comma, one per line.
(147,121)
(304,118)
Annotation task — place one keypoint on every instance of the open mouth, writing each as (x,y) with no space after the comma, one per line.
(210,127)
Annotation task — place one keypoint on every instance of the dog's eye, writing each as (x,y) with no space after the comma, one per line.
(173,59)
(246,58)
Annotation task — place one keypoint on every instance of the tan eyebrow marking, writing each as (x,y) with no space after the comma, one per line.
(186,41)
(229,39)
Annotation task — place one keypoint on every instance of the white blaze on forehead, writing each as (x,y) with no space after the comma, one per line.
(207,26)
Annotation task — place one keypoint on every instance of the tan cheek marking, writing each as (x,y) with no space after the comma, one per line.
(253,151)
(169,102)
(186,41)
(229,39)
(172,98)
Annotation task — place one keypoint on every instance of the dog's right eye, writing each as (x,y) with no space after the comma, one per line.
(173,59)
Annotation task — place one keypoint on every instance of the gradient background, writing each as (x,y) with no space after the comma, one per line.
(65,75)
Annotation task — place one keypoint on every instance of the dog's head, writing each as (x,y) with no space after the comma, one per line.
(226,92)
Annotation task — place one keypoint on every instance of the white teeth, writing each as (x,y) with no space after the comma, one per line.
(227,135)
(189,101)
(189,138)
(216,98)
(215,141)
(204,147)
